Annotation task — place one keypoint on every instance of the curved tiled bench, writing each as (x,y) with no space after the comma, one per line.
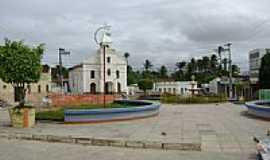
(258,108)
(141,109)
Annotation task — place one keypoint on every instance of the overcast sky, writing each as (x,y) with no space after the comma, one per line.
(163,31)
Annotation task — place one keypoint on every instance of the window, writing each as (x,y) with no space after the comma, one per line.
(108,59)
(92,74)
(4,86)
(39,88)
(169,90)
(47,88)
(117,74)
(109,72)
(160,90)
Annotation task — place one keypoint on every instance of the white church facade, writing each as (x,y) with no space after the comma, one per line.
(89,76)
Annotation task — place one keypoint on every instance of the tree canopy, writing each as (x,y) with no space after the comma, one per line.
(264,73)
(145,84)
(20,64)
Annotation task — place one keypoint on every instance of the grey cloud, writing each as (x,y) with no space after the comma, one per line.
(164,31)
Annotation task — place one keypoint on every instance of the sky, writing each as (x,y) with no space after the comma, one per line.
(163,31)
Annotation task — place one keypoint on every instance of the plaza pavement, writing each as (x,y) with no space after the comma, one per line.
(219,128)
(35,150)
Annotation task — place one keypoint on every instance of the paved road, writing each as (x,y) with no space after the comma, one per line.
(33,150)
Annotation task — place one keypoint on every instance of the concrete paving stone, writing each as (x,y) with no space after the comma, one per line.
(152,144)
(84,141)
(134,144)
(39,137)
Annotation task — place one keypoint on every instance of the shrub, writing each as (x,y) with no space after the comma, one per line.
(193,99)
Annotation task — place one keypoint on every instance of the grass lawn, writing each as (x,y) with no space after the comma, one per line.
(58,114)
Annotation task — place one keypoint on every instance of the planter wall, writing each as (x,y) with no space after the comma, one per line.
(141,109)
(22,117)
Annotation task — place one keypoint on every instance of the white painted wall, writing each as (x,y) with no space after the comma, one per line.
(82,75)
(179,87)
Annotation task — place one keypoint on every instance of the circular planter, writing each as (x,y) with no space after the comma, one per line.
(141,109)
(259,108)
(22,117)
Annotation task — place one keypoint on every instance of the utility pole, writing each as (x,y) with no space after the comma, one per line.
(221,49)
(61,52)
(228,45)
(104,75)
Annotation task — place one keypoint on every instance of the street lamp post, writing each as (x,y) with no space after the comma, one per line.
(61,52)
(103,46)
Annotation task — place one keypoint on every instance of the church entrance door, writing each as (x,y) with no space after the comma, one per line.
(108,87)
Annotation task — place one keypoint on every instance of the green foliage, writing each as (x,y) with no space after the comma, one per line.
(192,99)
(145,84)
(133,76)
(58,114)
(204,69)
(20,64)
(147,65)
(264,74)
(163,72)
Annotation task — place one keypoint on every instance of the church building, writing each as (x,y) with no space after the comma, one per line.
(106,67)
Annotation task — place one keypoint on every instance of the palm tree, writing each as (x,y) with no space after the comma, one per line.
(147,65)
(163,72)
(213,63)
(126,55)
(180,65)
(205,63)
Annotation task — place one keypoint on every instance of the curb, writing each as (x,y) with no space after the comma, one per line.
(102,142)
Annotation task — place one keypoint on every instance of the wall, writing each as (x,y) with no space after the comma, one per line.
(178,87)
(73,100)
(33,96)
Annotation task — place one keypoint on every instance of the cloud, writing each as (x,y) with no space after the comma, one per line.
(164,31)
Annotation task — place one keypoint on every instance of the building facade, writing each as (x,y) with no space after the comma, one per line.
(255,57)
(176,88)
(89,77)
(35,91)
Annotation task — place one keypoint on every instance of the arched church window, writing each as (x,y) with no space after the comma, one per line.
(117,74)
(108,59)
(109,72)
(92,74)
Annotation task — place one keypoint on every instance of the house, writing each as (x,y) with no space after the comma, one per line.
(35,91)
(106,67)
(176,87)
(240,87)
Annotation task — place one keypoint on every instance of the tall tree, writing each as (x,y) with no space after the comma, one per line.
(147,65)
(213,63)
(126,55)
(205,63)
(264,73)
(145,84)
(20,65)
(163,72)
(235,70)
(180,65)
